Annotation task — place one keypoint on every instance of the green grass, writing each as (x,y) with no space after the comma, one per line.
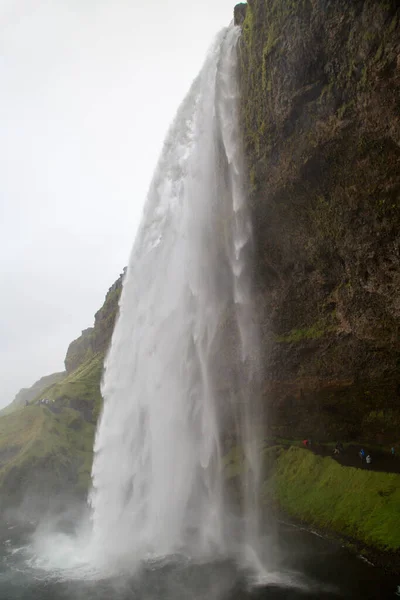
(35,444)
(49,449)
(27,395)
(352,502)
(46,449)
(81,385)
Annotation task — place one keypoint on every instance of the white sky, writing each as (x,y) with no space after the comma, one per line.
(88,90)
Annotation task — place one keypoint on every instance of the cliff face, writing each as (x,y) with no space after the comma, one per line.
(320,89)
(96,339)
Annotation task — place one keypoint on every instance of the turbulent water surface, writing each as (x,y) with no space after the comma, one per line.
(302,566)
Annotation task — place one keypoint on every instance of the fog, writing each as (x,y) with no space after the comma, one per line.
(88,92)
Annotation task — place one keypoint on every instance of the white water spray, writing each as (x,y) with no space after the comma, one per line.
(181,372)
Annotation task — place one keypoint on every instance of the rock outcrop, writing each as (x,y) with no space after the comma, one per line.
(320,89)
(96,339)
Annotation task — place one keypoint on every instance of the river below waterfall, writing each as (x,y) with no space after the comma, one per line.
(302,565)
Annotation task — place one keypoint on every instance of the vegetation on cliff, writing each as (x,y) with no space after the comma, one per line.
(80,389)
(320,83)
(356,503)
(27,395)
(44,453)
(46,448)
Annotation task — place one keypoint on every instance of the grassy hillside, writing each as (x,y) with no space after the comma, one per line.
(353,502)
(46,448)
(27,395)
(42,450)
(80,389)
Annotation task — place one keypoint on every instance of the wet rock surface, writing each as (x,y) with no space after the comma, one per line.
(320,86)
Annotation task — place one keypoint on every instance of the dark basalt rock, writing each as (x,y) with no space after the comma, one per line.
(239,13)
(320,89)
(96,339)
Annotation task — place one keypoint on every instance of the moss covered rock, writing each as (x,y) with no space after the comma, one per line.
(352,502)
(320,83)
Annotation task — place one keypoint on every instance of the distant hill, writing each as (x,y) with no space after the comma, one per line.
(27,395)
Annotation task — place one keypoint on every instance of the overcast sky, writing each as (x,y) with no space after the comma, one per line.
(88,90)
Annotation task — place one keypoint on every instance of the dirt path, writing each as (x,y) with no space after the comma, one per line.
(381,461)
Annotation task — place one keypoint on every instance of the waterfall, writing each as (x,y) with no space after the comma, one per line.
(181,375)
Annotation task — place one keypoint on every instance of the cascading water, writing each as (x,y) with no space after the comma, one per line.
(181,373)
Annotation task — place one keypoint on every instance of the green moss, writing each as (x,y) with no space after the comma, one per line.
(369,36)
(364,76)
(353,502)
(379,53)
(258,46)
(393,24)
(272,40)
(247,27)
(346,108)
(314,332)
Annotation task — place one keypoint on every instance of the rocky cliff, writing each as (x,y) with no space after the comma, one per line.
(320,89)
(96,339)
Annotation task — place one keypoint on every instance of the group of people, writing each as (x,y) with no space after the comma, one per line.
(339,449)
(363,457)
(43,401)
(368,458)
